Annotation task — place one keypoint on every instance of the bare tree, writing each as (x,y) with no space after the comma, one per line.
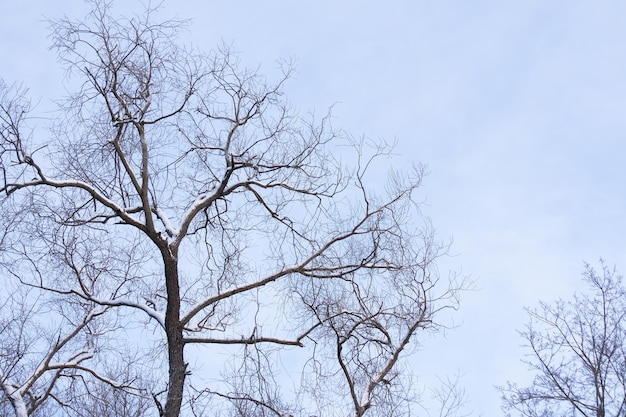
(39,360)
(181,195)
(577,352)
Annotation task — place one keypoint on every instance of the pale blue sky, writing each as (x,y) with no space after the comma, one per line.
(518,108)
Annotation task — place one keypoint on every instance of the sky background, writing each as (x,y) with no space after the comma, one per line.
(517,107)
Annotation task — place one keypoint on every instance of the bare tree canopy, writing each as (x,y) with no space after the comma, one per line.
(196,240)
(577,351)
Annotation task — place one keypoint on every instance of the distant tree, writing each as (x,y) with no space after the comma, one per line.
(180,198)
(577,351)
(36,359)
(47,348)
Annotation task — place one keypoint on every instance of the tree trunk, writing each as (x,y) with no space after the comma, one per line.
(174,333)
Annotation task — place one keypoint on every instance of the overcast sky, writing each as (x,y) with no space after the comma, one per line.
(517,107)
